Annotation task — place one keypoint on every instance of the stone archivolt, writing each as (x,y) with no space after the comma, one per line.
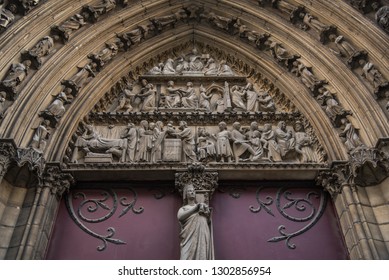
(230,25)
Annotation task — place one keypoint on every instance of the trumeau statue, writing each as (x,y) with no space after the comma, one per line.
(196,227)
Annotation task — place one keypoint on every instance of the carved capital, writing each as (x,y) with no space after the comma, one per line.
(32,158)
(334,179)
(204,182)
(56,180)
(368,166)
(7,153)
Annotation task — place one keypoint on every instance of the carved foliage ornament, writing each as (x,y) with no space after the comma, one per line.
(56,180)
(205,182)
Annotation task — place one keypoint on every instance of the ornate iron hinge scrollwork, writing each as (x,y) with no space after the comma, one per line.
(301,204)
(92,205)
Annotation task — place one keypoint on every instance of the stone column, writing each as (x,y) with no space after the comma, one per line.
(349,184)
(53,183)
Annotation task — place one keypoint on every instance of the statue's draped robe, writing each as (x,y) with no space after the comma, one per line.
(196,237)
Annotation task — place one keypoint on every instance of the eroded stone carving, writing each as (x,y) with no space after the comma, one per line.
(99,149)
(153,142)
(346,50)
(105,55)
(222,22)
(375,79)
(3,101)
(65,29)
(282,55)
(56,109)
(15,76)
(365,6)
(292,11)
(41,49)
(350,135)
(331,106)
(7,153)
(99,8)
(6,16)
(41,136)
(306,76)
(22,6)
(311,22)
(81,78)
(382,18)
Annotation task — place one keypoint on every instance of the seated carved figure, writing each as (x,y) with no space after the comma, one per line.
(285,140)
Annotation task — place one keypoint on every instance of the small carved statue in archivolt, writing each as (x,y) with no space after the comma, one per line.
(81,78)
(6,16)
(40,137)
(15,76)
(105,55)
(382,18)
(69,26)
(311,22)
(331,106)
(306,76)
(94,11)
(43,48)
(56,109)
(350,135)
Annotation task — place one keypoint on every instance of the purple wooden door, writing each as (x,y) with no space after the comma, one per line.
(139,221)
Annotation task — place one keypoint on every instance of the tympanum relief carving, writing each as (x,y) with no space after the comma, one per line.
(193,108)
